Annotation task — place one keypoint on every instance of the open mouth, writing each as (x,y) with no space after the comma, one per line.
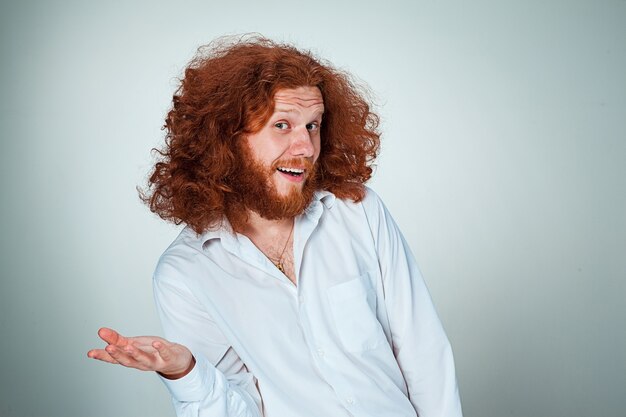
(294,172)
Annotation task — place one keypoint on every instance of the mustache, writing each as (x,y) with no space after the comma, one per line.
(301,163)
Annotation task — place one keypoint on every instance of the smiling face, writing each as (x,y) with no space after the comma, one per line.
(289,143)
(278,179)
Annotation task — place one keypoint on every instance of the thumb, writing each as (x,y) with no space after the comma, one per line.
(164,351)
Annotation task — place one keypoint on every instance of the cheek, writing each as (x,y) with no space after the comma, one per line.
(317,148)
(268,149)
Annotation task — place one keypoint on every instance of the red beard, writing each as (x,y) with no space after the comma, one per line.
(256,191)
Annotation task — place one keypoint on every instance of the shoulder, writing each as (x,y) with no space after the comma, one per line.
(370,201)
(368,213)
(371,206)
(180,257)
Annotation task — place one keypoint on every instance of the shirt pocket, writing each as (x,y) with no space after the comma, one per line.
(353,306)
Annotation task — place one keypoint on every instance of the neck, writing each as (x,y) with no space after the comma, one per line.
(258,226)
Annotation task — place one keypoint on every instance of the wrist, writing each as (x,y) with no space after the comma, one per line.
(179,375)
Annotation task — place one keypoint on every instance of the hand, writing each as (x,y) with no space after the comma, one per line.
(147,353)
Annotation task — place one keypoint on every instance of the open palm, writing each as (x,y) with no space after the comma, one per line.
(147,353)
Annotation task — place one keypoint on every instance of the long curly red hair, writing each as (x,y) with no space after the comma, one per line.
(227,92)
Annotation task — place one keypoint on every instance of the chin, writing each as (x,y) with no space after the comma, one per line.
(286,190)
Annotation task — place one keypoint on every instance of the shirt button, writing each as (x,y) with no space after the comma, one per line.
(320,352)
(301,299)
(350,400)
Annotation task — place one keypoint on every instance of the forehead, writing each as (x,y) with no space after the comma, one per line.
(301,98)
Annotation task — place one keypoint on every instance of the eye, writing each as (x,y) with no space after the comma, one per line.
(281,125)
(313,126)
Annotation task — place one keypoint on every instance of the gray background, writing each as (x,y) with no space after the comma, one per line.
(503,161)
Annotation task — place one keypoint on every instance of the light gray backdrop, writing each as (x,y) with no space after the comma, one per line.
(503,161)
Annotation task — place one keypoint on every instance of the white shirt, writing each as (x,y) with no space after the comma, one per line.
(357,336)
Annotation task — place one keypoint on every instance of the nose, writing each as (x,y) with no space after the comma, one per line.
(302,143)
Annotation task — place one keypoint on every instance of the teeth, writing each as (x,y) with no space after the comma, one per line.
(291,170)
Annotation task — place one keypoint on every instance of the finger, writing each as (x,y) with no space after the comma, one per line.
(144,359)
(111,336)
(122,357)
(101,355)
(134,357)
(147,341)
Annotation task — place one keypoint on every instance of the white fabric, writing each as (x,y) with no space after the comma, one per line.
(358,336)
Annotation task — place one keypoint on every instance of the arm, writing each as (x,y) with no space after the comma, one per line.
(219,384)
(419,342)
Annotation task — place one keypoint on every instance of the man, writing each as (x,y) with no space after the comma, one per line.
(291,291)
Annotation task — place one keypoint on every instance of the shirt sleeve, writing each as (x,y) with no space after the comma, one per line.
(420,344)
(219,384)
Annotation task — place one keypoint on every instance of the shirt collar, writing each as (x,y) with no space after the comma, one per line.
(225,232)
(325,197)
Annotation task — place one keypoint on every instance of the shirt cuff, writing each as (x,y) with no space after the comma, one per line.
(194,386)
